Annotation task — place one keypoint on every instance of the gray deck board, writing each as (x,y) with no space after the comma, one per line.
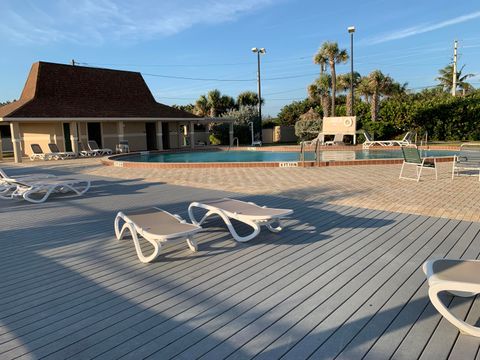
(338,282)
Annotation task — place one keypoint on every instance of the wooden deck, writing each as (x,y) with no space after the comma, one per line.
(338,282)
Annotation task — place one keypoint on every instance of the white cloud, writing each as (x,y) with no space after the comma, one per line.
(98,21)
(420,29)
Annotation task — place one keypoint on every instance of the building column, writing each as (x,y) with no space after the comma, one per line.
(230,132)
(192,134)
(17,150)
(121,131)
(74,136)
(1,146)
(159,136)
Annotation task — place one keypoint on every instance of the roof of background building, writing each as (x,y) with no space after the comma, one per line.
(66,91)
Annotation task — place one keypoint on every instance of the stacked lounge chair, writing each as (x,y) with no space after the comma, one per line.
(407,140)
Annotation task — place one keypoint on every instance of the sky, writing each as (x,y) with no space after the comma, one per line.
(184,48)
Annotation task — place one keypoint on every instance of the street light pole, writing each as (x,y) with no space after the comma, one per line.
(259,51)
(351,30)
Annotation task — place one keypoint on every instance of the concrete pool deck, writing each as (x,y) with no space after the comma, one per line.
(374,187)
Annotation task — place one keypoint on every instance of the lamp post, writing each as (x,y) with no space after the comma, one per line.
(259,51)
(351,30)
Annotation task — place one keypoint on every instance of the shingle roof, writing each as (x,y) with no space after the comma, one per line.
(65,91)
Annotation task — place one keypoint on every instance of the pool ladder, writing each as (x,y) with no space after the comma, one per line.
(233,143)
(303,149)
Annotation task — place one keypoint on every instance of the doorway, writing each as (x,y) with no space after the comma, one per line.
(151,131)
(66,137)
(165,136)
(95,133)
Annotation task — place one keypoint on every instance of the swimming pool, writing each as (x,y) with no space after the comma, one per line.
(240,156)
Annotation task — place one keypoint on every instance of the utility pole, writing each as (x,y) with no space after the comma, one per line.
(454,82)
(73,62)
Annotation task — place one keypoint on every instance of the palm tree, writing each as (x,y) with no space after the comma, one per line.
(343,84)
(364,89)
(201,106)
(331,52)
(248,98)
(214,101)
(446,79)
(380,85)
(319,92)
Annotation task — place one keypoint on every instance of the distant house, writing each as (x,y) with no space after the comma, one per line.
(65,104)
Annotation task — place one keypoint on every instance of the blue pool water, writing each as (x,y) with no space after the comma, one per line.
(271,156)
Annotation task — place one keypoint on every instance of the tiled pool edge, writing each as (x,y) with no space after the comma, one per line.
(158,165)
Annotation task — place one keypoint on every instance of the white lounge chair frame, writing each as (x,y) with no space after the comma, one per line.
(319,139)
(467,160)
(27,189)
(93,146)
(456,288)
(86,153)
(337,140)
(63,155)
(154,239)
(254,221)
(39,154)
(407,140)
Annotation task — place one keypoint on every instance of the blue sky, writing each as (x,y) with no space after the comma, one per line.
(409,40)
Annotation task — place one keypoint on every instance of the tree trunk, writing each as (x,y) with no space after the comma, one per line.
(374,105)
(325,102)
(334,85)
(349,104)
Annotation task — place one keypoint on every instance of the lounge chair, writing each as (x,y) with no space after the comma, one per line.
(155,226)
(411,156)
(55,151)
(4,177)
(93,146)
(246,212)
(39,154)
(38,191)
(337,140)
(86,153)
(467,160)
(407,140)
(459,278)
(319,139)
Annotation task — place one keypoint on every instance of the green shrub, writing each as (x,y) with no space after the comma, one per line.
(308,129)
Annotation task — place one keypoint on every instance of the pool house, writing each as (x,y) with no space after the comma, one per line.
(66,104)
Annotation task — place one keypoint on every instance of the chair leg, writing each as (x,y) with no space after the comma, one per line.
(419,172)
(445,312)
(120,233)
(401,171)
(274,229)
(192,243)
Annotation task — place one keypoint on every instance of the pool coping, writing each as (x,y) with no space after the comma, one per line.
(114,160)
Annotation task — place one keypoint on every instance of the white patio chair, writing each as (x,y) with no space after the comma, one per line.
(468,159)
(459,278)
(246,212)
(156,226)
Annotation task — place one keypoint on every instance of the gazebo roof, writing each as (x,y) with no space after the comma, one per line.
(65,91)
